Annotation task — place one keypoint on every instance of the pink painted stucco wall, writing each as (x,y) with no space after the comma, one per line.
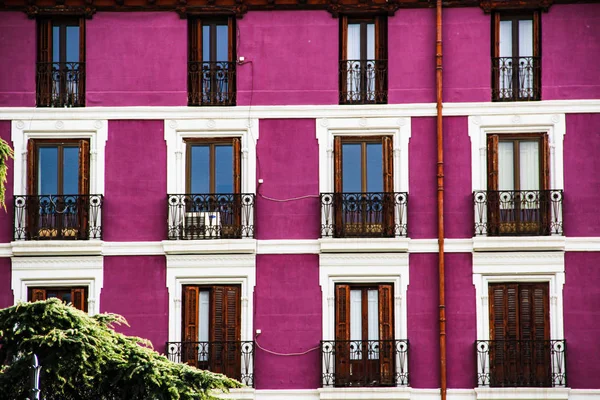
(422,164)
(6,295)
(135,287)
(461,320)
(288,162)
(17,76)
(423,326)
(411,56)
(292,58)
(581,302)
(135,204)
(466,55)
(136,59)
(571,52)
(6,218)
(458,198)
(288,311)
(581,166)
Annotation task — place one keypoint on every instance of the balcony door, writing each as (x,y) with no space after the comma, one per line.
(520,350)
(364,186)
(58,187)
(518,184)
(212,328)
(364,334)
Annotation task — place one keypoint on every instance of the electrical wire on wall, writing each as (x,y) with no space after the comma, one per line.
(285,354)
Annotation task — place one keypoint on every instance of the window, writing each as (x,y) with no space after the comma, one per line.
(516,57)
(519,199)
(58,204)
(364,335)
(61,62)
(520,349)
(364,201)
(77,296)
(211,67)
(213,166)
(211,328)
(363,60)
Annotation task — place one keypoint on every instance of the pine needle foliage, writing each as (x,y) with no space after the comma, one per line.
(6,152)
(83,358)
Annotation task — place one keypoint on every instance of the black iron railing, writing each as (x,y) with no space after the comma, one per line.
(364,363)
(363,214)
(211,83)
(234,358)
(60,84)
(363,81)
(518,212)
(516,78)
(210,216)
(521,363)
(58,217)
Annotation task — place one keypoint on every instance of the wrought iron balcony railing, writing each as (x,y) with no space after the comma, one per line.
(346,215)
(58,217)
(521,363)
(210,216)
(363,81)
(60,84)
(211,83)
(518,212)
(516,78)
(234,359)
(359,363)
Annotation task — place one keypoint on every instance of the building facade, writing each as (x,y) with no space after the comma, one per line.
(253,186)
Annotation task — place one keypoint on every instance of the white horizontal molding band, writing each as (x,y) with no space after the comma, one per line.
(296,111)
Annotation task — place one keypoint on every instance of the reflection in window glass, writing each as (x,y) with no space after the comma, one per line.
(47,170)
(200,169)
(224,169)
(71,170)
(351,168)
(222,45)
(374,167)
(72,44)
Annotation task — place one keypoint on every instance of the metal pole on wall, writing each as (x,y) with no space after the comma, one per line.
(35,379)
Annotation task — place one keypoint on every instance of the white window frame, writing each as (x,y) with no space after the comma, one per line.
(29,272)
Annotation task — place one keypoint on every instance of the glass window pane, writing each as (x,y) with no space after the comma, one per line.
(203,317)
(353,44)
(356,315)
(505,39)
(222,43)
(66,297)
(200,169)
(72,44)
(224,169)
(525,38)
(206,43)
(370,41)
(56,44)
(506,166)
(529,164)
(47,170)
(351,168)
(71,170)
(374,167)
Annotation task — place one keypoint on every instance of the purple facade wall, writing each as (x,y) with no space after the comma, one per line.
(581,164)
(423,326)
(135,207)
(581,302)
(17,77)
(422,159)
(135,287)
(288,311)
(6,294)
(6,218)
(292,58)
(136,59)
(288,148)
(571,52)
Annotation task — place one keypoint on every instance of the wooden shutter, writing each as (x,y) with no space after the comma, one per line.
(78,298)
(386,334)
(342,334)
(195,40)
(37,294)
(536,34)
(343,37)
(190,313)
(388,186)
(545,163)
(44,56)
(496,34)
(381,37)
(231,39)
(338,204)
(237,165)
(492,162)
(84,167)
(225,330)
(31,168)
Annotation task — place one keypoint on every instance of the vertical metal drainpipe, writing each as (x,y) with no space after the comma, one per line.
(440,197)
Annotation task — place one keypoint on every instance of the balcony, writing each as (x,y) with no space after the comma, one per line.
(210,216)
(521,363)
(58,217)
(518,212)
(211,83)
(516,78)
(60,84)
(364,363)
(363,82)
(366,215)
(234,359)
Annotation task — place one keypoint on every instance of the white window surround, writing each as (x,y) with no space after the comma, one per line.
(59,272)
(239,269)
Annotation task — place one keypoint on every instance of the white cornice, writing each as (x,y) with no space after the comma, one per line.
(522,393)
(56,248)
(133,249)
(228,246)
(299,246)
(521,243)
(364,245)
(308,111)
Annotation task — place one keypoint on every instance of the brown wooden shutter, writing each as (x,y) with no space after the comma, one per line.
(496,35)
(44,56)
(237,165)
(380,38)
(386,334)
(492,162)
(31,168)
(190,313)
(343,37)
(338,186)
(225,330)
(84,167)
(342,334)
(388,186)
(37,294)
(545,163)
(536,34)
(541,333)
(231,39)
(82,39)
(78,298)
(195,40)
